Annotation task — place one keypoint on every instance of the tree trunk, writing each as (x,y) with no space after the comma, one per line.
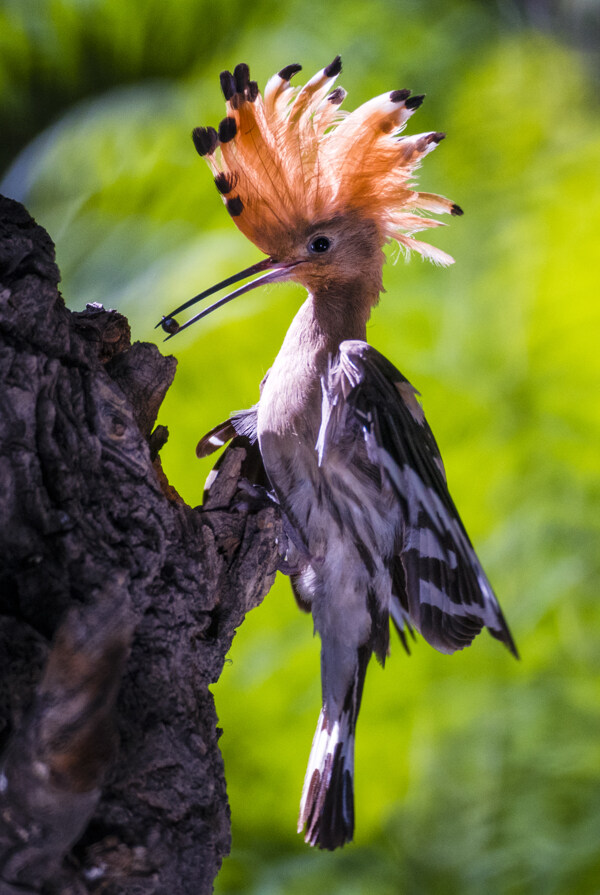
(118,603)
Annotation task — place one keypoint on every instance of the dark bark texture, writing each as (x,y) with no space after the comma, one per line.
(118,603)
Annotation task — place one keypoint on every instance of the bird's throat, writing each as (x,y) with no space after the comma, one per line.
(291,398)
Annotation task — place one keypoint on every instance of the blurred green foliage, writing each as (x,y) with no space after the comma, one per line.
(474,773)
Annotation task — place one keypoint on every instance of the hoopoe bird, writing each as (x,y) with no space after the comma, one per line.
(344,445)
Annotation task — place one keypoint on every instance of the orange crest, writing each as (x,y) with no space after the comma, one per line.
(292,157)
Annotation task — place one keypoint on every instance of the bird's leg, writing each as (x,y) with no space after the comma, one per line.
(294,553)
(255,495)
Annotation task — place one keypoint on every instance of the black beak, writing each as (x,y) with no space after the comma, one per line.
(275,273)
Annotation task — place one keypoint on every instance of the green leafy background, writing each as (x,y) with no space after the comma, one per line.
(475,773)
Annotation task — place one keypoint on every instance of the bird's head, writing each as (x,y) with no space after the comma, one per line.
(317,189)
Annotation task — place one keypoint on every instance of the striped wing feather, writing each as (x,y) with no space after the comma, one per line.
(438,582)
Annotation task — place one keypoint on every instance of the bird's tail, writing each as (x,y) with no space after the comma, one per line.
(327,804)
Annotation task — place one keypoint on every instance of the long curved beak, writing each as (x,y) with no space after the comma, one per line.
(276,273)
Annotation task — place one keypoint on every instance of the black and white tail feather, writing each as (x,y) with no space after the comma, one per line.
(437,584)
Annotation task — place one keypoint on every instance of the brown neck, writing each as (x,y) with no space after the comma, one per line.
(328,318)
(291,398)
(339,317)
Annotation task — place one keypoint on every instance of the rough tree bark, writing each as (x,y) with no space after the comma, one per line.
(118,604)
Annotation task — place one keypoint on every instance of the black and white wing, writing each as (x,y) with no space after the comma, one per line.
(439,585)
(243,423)
(240,430)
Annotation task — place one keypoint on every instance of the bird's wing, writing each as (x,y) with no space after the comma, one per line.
(243,423)
(240,430)
(439,584)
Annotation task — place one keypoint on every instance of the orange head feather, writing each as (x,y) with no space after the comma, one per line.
(292,158)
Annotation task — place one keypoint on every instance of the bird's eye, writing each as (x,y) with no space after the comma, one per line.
(319,245)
